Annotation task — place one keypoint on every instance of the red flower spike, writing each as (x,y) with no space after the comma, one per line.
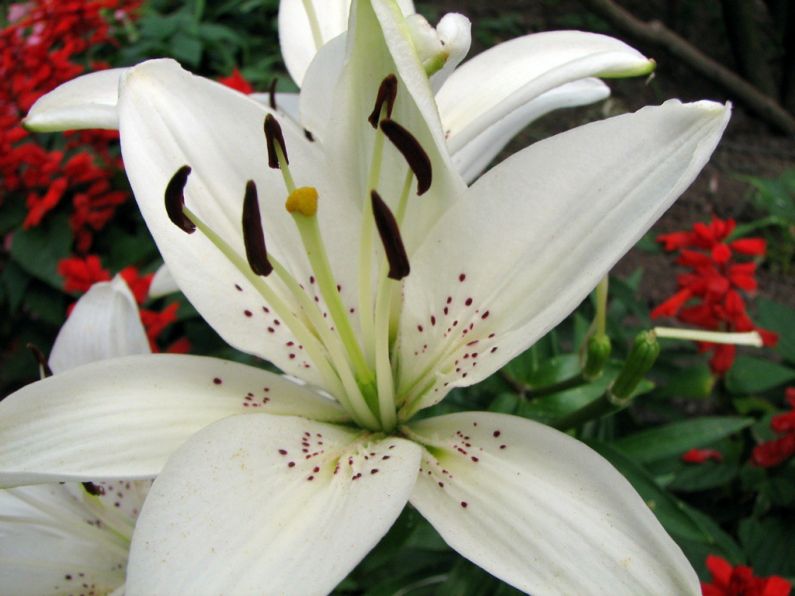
(237,82)
(740,581)
(789,396)
(80,274)
(699,456)
(774,453)
(749,246)
(711,288)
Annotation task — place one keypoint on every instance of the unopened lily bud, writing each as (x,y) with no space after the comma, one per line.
(596,356)
(640,360)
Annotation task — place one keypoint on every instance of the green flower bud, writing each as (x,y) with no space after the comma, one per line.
(640,360)
(596,356)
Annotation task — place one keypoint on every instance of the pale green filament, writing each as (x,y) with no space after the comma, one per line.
(366,248)
(352,399)
(749,338)
(313,244)
(314,25)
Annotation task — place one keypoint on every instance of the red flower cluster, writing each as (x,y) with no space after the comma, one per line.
(237,82)
(741,581)
(773,453)
(81,273)
(709,295)
(39,50)
(699,456)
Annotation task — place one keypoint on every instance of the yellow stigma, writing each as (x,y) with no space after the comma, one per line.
(303,200)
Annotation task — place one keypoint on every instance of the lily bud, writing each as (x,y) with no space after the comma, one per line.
(596,357)
(640,360)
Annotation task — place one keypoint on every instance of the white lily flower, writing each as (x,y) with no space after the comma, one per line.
(266,485)
(73,538)
(482,105)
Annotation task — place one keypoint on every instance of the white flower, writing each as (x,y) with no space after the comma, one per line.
(392,283)
(482,105)
(72,538)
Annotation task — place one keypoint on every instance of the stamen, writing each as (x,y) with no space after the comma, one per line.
(272,93)
(303,200)
(412,151)
(44,368)
(314,24)
(274,136)
(253,235)
(387,93)
(390,237)
(175,200)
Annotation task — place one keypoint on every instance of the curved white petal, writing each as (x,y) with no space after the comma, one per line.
(493,84)
(260,504)
(163,283)
(315,108)
(542,511)
(89,101)
(170,118)
(455,34)
(286,103)
(298,43)
(104,324)
(52,543)
(471,159)
(379,45)
(535,234)
(123,418)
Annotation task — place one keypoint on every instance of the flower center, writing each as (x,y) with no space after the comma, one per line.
(358,368)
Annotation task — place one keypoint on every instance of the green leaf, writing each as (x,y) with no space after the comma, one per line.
(671,512)
(15,282)
(38,250)
(781,319)
(671,440)
(693,382)
(770,543)
(698,477)
(753,375)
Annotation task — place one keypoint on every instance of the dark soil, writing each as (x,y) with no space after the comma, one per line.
(749,147)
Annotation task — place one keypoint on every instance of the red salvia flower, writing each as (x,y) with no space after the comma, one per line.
(740,581)
(44,45)
(709,295)
(237,82)
(774,453)
(699,456)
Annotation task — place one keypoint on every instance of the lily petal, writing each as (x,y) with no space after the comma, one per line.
(50,544)
(259,504)
(163,283)
(122,418)
(380,45)
(586,195)
(286,103)
(493,84)
(104,324)
(298,43)
(89,101)
(169,118)
(473,158)
(542,511)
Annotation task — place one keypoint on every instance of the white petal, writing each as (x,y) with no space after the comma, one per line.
(321,79)
(534,235)
(455,33)
(50,543)
(163,283)
(542,511)
(295,34)
(379,45)
(477,154)
(286,103)
(89,101)
(500,80)
(229,514)
(169,118)
(123,418)
(104,324)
